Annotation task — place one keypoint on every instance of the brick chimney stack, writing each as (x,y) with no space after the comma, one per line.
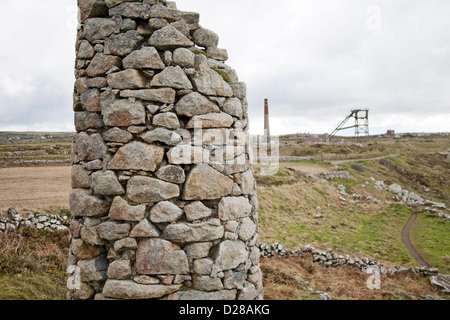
(266,120)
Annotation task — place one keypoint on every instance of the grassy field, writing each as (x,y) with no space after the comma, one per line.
(431,237)
(287,215)
(377,147)
(33,265)
(19,149)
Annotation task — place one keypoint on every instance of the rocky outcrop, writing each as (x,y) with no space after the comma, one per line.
(164,197)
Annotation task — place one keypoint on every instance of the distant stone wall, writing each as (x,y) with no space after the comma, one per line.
(12,220)
(164,201)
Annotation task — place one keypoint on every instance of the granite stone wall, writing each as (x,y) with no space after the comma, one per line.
(164,202)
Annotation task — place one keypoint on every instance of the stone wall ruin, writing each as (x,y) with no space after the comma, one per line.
(164,203)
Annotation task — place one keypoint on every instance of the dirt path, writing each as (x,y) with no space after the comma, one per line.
(34,187)
(356,160)
(407,241)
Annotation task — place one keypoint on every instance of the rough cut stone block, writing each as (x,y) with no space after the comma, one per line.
(90,100)
(195,104)
(137,156)
(101,64)
(89,147)
(183,57)
(88,120)
(198,250)
(125,244)
(211,120)
(150,190)
(113,3)
(119,269)
(235,280)
(171,138)
(145,229)
(217,54)
(206,283)
(89,233)
(92,8)
(203,266)
(182,26)
(93,270)
(117,135)
(206,38)
(163,12)
(173,77)
(121,210)
(247,229)
(84,251)
(160,257)
(167,120)
(106,184)
(188,233)
(186,154)
(165,95)
(80,177)
(230,254)
(197,211)
(234,208)
(169,38)
(123,113)
(146,58)
(233,106)
(98,28)
(208,81)
(134,10)
(113,231)
(128,79)
(165,212)
(127,289)
(239,89)
(123,44)
(171,173)
(190,17)
(85,50)
(197,295)
(204,183)
(249,292)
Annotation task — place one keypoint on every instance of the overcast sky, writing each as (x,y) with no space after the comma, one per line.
(314,60)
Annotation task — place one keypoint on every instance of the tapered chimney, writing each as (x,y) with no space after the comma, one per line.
(266,120)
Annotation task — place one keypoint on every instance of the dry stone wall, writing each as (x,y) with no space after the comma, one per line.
(164,199)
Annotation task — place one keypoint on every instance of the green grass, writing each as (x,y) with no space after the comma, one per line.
(32,286)
(377,235)
(431,238)
(287,216)
(224,75)
(319,192)
(200,52)
(33,264)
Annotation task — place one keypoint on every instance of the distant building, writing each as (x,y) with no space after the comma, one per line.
(390,132)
